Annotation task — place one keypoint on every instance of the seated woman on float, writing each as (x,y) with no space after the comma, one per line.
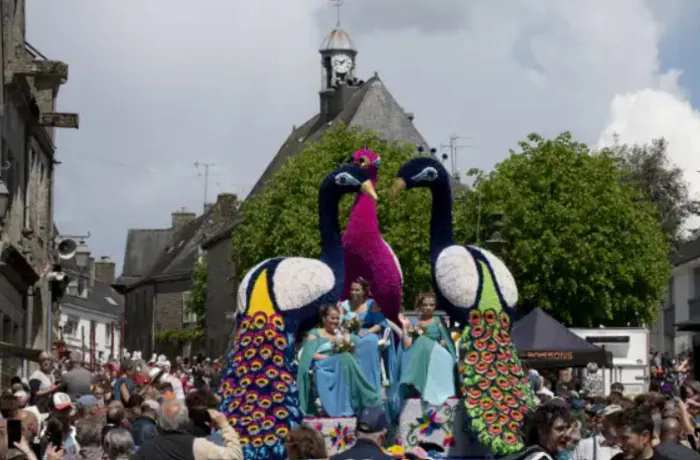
(427,355)
(338,379)
(375,339)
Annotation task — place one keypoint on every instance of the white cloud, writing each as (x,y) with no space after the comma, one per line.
(638,117)
(163,83)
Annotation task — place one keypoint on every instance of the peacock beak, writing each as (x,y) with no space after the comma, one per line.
(398,187)
(368,189)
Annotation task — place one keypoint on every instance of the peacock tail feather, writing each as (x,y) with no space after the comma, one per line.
(495,390)
(259,391)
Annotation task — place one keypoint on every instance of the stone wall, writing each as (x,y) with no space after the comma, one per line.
(221,296)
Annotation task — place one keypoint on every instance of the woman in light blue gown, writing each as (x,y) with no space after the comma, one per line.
(337,378)
(374,324)
(427,361)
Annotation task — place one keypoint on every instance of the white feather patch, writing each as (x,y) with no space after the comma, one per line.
(243,287)
(396,259)
(457,276)
(299,281)
(503,277)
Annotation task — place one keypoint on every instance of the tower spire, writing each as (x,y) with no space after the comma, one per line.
(339,5)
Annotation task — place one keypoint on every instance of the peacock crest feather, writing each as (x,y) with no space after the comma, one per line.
(260,395)
(495,390)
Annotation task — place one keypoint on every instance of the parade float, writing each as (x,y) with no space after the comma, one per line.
(282,296)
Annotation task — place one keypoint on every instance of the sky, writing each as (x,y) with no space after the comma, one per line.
(165,84)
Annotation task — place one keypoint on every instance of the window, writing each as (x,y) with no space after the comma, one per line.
(108,333)
(187,316)
(70,326)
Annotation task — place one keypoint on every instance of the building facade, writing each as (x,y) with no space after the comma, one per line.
(91,312)
(30,84)
(156,302)
(682,304)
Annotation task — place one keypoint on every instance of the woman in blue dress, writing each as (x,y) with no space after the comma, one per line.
(337,377)
(427,355)
(370,346)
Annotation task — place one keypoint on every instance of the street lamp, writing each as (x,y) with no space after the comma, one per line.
(82,255)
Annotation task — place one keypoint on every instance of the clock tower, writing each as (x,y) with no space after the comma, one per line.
(338,54)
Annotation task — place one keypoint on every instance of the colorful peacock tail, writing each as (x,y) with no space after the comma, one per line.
(495,389)
(260,395)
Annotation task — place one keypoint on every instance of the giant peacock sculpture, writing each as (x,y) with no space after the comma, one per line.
(367,255)
(275,299)
(476,289)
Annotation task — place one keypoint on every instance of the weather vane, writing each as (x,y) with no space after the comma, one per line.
(338,4)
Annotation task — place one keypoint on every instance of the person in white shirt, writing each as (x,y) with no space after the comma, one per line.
(602,446)
(174,381)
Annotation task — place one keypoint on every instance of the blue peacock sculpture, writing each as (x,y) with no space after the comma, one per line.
(276,299)
(476,289)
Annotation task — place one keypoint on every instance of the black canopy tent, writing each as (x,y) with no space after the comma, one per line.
(542,341)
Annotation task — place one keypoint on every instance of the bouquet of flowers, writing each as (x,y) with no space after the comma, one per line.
(416,332)
(353,325)
(342,345)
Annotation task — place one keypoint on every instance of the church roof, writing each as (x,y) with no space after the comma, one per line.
(372,107)
(338,40)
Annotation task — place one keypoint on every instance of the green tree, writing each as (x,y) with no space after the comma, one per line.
(661,181)
(197,302)
(583,243)
(283,220)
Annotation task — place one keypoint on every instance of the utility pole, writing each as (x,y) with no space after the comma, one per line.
(206,167)
(454,147)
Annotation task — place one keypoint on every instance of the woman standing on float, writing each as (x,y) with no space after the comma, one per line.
(368,352)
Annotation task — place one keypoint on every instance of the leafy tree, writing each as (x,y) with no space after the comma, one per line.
(583,243)
(197,302)
(662,183)
(283,220)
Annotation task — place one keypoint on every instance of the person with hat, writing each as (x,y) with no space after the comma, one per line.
(602,445)
(42,382)
(370,431)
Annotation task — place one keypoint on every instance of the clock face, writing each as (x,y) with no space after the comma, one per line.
(342,64)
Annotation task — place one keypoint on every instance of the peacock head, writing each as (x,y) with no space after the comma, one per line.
(348,179)
(367,160)
(420,172)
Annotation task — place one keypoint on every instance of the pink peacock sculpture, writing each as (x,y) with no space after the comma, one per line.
(367,255)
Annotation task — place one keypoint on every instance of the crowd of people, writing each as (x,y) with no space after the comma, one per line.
(154,410)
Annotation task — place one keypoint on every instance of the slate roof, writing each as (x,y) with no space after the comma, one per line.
(178,256)
(98,299)
(142,248)
(371,107)
(686,252)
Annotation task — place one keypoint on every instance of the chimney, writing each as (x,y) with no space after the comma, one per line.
(207,207)
(182,218)
(105,270)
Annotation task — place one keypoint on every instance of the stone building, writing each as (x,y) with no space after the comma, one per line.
(156,284)
(342,98)
(30,84)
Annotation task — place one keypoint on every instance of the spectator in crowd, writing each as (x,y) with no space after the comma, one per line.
(77,380)
(144,426)
(548,429)
(670,446)
(89,437)
(118,444)
(175,442)
(42,383)
(303,442)
(124,386)
(371,430)
(115,416)
(636,433)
